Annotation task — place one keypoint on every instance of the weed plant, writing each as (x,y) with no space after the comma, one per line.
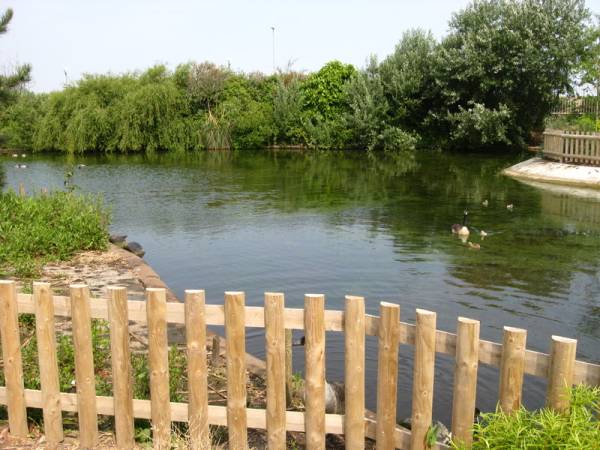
(35,230)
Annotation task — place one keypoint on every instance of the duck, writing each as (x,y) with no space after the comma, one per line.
(474,245)
(81,166)
(23,155)
(14,155)
(21,166)
(510,206)
(485,203)
(461,229)
(482,234)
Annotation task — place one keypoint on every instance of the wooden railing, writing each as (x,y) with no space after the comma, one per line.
(577,106)
(511,357)
(572,147)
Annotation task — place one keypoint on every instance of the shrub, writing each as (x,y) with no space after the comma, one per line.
(47,227)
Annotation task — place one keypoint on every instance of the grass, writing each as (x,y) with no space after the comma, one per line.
(577,428)
(35,230)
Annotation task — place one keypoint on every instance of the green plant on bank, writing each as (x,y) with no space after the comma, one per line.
(576,428)
(103,370)
(585,122)
(490,82)
(48,227)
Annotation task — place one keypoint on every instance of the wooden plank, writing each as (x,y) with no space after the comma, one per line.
(314,417)
(512,369)
(236,370)
(423,375)
(354,363)
(275,345)
(158,360)
(195,330)
(84,366)
(47,357)
(217,415)
(11,355)
(465,380)
(387,374)
(490,353)
(289,366)
(121,366)
(560,372)
(354,369)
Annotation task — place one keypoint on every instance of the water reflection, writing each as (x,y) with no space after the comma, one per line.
(352,223)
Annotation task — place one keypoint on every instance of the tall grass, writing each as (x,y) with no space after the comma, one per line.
(38,229)
(577,428)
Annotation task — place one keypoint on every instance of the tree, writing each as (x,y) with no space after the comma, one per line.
(507,56)
(22,75)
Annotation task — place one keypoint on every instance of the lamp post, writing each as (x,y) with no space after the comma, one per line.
(273,30)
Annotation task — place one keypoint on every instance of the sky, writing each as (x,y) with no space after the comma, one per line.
(92,36)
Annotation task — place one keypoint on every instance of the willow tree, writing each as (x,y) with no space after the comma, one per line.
(22,74)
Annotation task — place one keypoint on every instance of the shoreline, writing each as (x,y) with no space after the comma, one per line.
(538,169)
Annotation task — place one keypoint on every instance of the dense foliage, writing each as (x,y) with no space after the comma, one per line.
(488,84)
(577,428)
(47,227)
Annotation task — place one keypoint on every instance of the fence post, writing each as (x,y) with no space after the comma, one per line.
(13,364)
(560,372)
(84,366)
(158,359)
(387,374)
(46,346)
(465,380)
(195,330)
(423,373)
(275,337)
(118,317)
(512,368)
(289,367)
(314,327)
(235,330)
(354,335)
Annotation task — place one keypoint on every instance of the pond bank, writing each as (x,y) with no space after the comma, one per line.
(117,266)
(538,169)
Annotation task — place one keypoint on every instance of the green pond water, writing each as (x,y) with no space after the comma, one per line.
(349,223)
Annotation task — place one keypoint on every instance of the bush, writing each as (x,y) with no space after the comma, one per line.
(48,227)
(577,428)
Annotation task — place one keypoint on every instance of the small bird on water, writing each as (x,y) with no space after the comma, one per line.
(510,206)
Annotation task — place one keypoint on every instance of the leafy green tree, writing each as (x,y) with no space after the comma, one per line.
(22,75)
(407,79)
(206,82)
(590,64)
(507,56)
(323,91)
(19,120)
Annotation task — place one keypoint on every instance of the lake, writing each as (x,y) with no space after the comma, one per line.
(350,223)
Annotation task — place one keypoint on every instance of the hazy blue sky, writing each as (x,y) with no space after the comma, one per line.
(118,36)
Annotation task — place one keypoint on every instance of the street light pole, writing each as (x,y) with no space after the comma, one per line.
(273,29)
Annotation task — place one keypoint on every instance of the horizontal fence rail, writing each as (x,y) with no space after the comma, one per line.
(572,147)
(560,368)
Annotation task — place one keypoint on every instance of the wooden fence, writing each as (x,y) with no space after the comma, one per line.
(572,147)
(511,357)
(577,106)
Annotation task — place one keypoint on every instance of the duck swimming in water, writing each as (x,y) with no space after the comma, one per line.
(461,229)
